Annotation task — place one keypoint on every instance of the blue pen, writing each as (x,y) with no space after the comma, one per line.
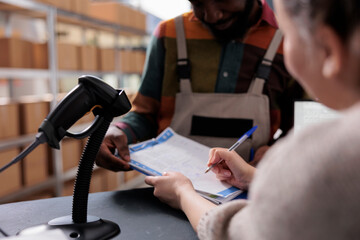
(238,142)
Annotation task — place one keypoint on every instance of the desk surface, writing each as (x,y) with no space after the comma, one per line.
(138,213)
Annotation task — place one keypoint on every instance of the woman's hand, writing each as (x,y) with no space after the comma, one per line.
(233,169)
(177,191)
(170,187)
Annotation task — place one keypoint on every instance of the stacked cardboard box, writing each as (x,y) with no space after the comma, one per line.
(139,60)
(80,6)
(35,166)
(101,180)
(109,11)
(71,150)
(112,180)
(131,61)
(104,180)
(40,55)
(15,53)
(112,12)
(62,4)
(106,59)
(33,111)
(68,188)
(9,120)
(88,58)
(10,180)
(126,58)
(68,56)
(130,175)
(138,19)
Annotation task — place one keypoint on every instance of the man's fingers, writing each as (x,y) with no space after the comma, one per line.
(124,155)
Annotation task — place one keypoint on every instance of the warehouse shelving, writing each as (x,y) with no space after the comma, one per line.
(52,16)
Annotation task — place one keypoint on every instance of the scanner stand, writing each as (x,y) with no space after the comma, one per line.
(79,225)
(94,229)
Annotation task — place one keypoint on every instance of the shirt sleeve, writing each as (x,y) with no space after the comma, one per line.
(215,224)
(140,123)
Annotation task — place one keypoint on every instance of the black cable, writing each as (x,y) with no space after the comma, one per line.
(40,138)
(3,233)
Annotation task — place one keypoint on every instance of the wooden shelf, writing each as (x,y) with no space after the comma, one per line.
(38,10)
(51,15)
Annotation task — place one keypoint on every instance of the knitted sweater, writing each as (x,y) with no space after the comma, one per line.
(306,187)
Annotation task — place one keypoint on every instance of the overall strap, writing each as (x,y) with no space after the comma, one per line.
(264,69)
(183,63)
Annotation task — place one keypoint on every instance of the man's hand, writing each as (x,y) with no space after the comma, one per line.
(114,139)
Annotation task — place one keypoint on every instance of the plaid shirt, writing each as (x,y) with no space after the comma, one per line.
(215,68)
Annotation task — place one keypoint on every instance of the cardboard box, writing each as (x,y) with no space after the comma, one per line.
(88,58)
(141,21)
(129,175)
(15,53)
(32,113)
(111,12)
(40,55)
(80,6)
(106,57)
(126,61)
(138,19)
(68,188)
(112,180)
(10,179)
(35,166)
(68,56)
(62,4)
(9,120)
(127,16)
(71,150)
(139,61)
(98,181)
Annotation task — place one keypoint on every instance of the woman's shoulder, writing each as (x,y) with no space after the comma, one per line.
(321,149)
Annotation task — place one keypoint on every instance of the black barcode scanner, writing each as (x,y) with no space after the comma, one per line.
(90,95)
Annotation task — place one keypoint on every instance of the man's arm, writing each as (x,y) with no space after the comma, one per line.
(140,123)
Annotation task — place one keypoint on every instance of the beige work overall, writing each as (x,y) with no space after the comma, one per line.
(195,107)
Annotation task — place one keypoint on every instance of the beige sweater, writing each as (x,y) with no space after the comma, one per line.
(307,187)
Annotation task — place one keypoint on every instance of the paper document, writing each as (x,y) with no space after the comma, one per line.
(309,112)
(173,152)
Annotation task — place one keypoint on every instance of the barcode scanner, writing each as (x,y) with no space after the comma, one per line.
(90,95)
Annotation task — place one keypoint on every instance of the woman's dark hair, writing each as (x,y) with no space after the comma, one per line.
(342,15)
